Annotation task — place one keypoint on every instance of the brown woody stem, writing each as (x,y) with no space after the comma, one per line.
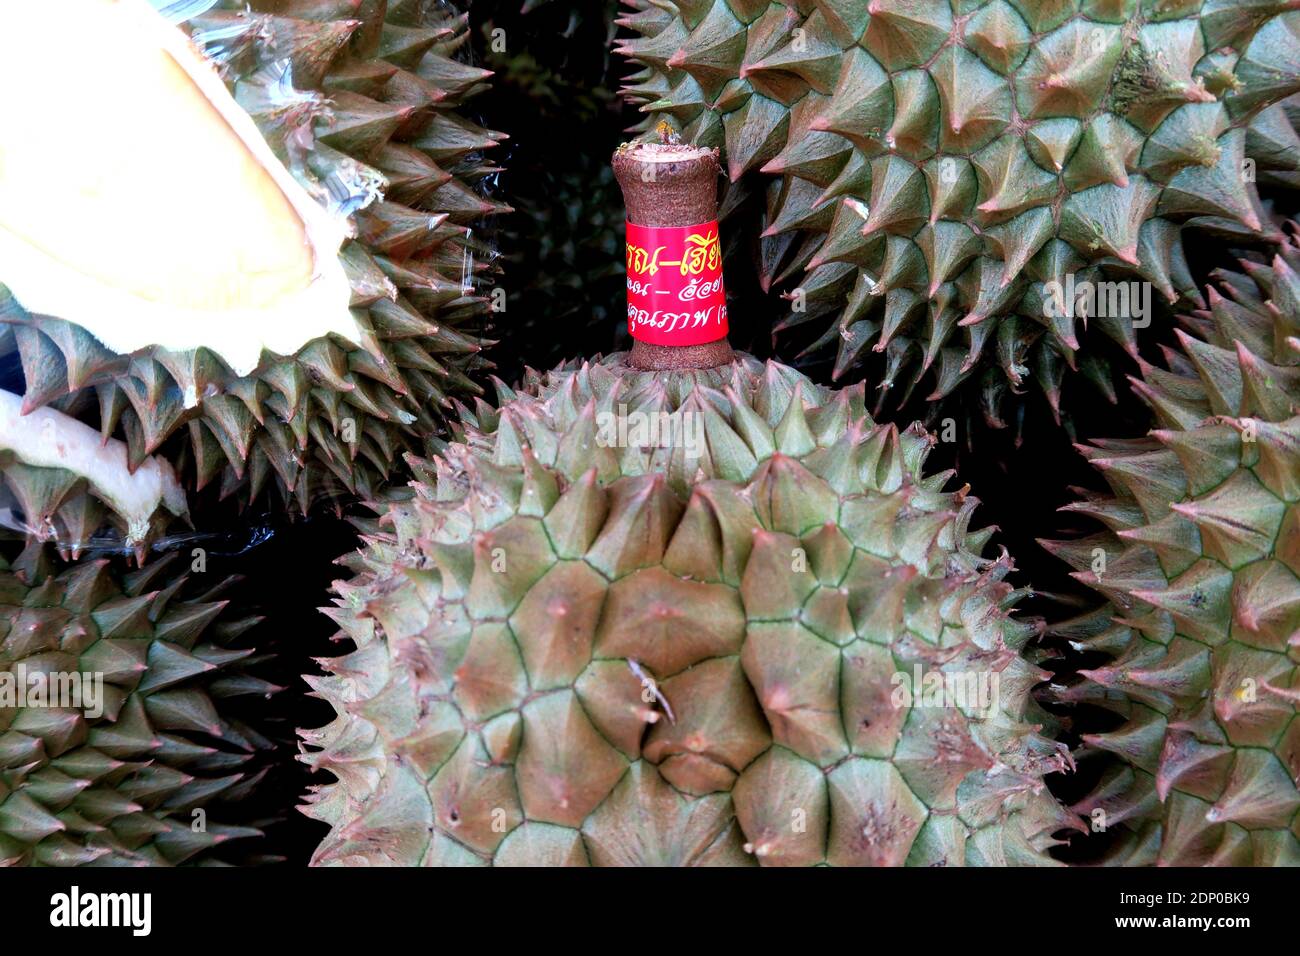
(668,184)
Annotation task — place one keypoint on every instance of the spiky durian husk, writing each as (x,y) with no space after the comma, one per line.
(120,789)
(1202,564)
(359,99)
(938,163)
(569,652)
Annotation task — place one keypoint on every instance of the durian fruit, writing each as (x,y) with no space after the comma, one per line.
(1201,561)
(574,650)
(933,165)
(126,778)
(62,482)
(272,289)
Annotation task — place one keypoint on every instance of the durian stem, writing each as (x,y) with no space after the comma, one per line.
(670,184)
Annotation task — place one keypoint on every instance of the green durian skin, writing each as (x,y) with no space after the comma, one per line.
(1200,559)
(125,775)
(569,650)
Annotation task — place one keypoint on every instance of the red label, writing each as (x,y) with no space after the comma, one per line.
(674,284)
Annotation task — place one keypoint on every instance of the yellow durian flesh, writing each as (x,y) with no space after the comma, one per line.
(138,200)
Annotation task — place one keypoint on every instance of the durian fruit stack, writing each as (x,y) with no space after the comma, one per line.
(931,166)
(264,285)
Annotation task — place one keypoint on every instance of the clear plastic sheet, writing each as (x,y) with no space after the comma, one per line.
(234,539)
(178,11)
(348,185)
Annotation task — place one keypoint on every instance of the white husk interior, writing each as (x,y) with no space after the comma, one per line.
(46,438)
(126,323)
